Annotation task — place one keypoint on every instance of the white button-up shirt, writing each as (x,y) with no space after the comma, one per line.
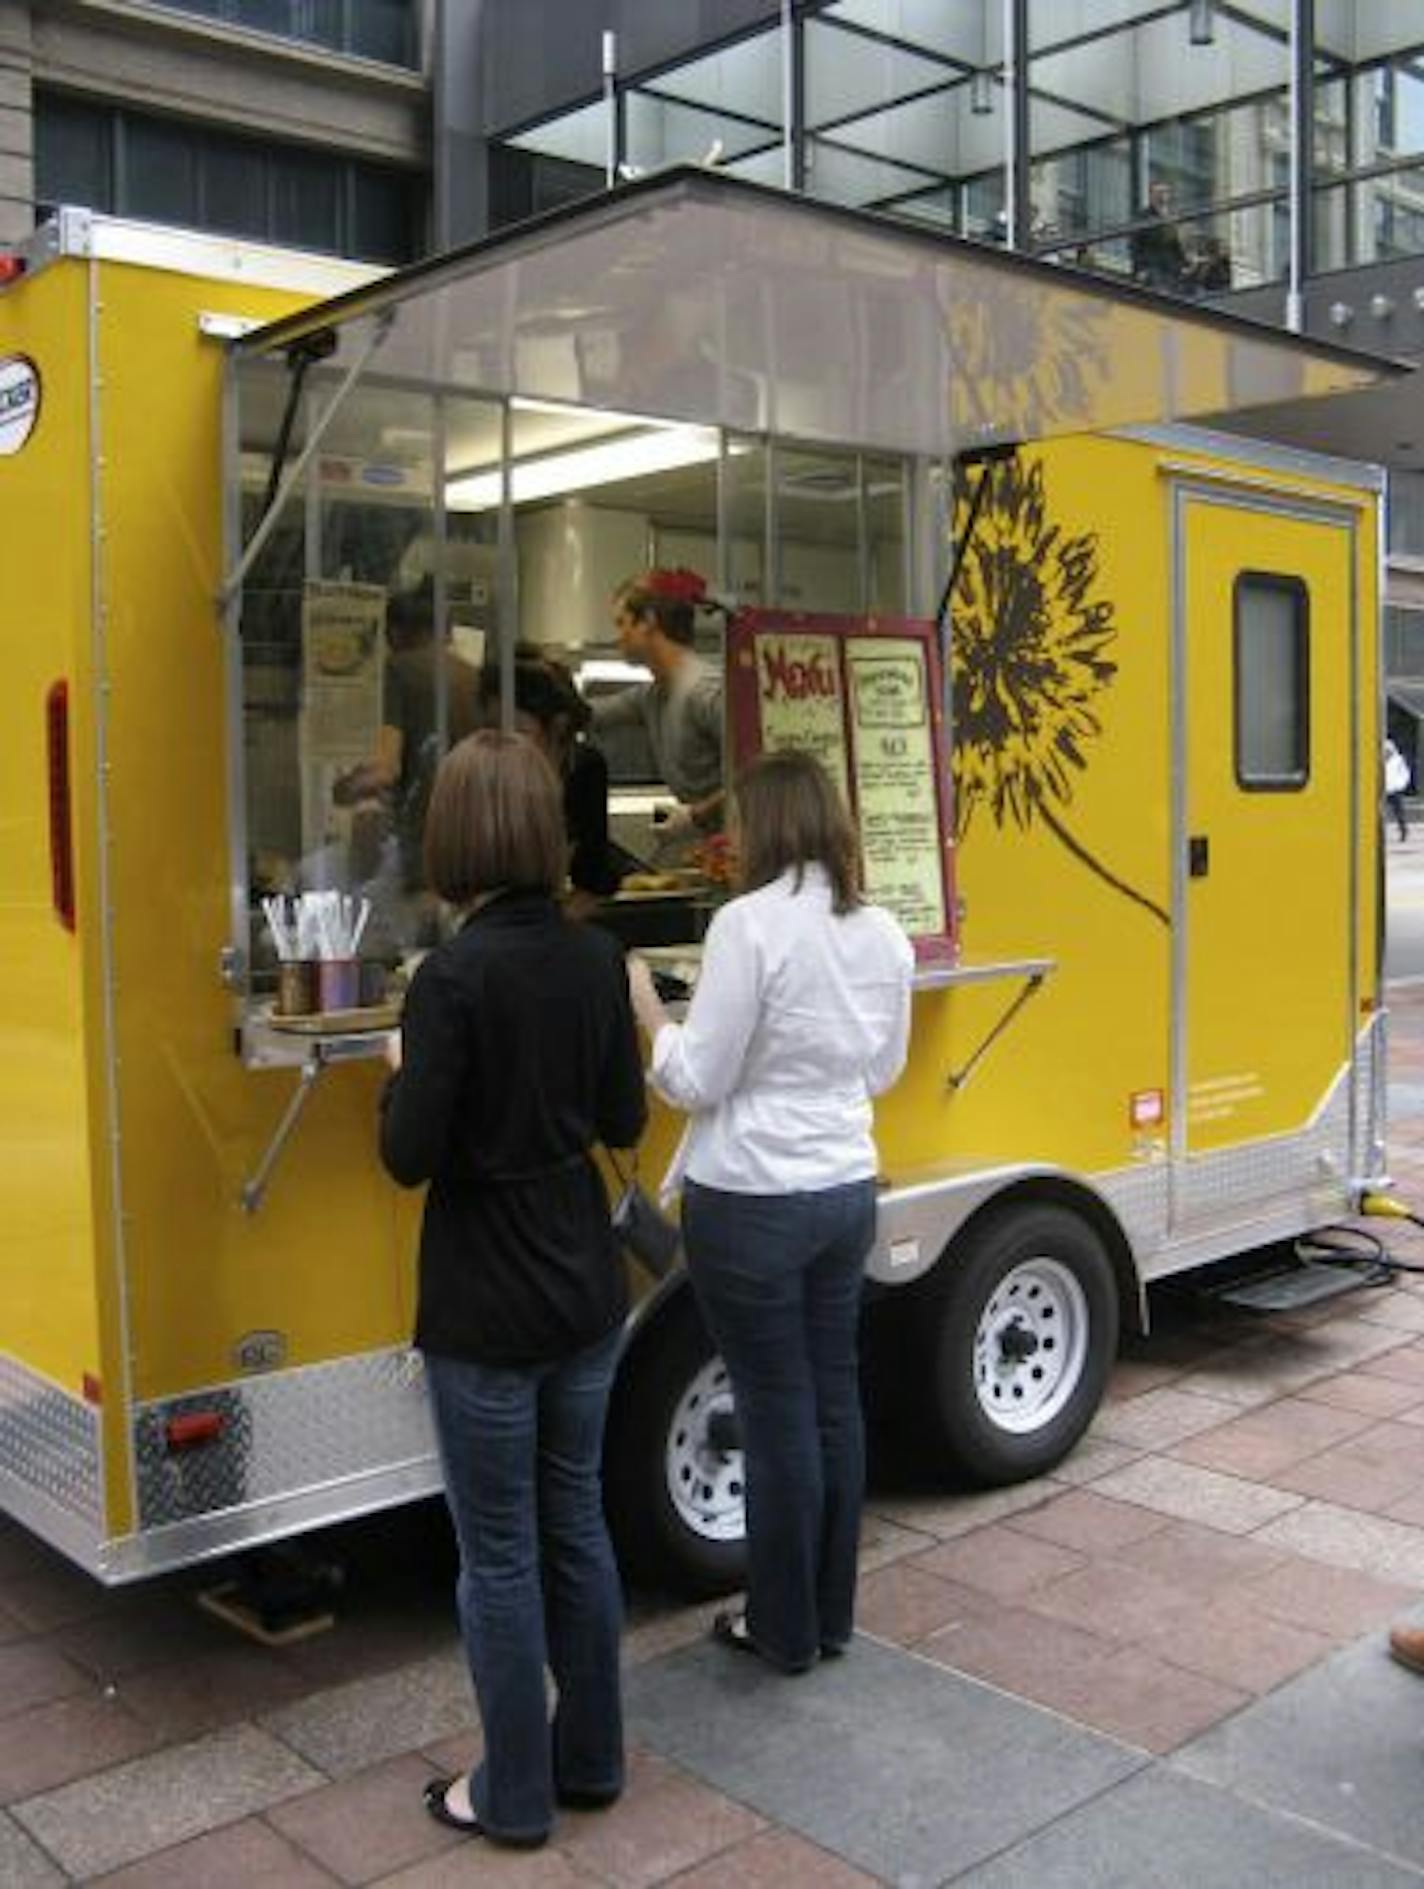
(798,1019)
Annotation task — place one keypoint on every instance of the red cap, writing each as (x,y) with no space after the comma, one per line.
(679,586)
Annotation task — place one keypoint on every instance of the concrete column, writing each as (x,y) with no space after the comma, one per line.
(458,133)
(17,133)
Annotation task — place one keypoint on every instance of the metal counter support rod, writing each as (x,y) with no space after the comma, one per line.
(957,1078)
(254,1190)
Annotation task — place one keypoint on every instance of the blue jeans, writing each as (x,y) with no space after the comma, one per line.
(779,1277)
(521,1448)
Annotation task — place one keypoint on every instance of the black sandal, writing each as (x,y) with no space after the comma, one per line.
(730,1629)
(575,1799)
(433,1797)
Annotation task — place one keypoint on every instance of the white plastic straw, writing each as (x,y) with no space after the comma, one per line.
(317,924)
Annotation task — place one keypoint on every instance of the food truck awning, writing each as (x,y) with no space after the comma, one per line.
(693,296)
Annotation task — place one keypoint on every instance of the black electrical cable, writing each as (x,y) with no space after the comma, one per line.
(1355,1248)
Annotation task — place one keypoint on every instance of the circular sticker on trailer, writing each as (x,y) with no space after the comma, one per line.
(19,401)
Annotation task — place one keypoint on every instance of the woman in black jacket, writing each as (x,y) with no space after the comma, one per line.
(517,1054)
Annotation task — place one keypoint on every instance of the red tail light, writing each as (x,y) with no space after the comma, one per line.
(192,1428)
(61,841)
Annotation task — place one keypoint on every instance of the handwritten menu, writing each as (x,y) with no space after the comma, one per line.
(894,770)
(860,696)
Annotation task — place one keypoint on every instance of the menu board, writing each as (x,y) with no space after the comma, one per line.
(896,791)
(862,695)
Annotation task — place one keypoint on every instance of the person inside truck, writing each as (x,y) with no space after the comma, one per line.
(517,1053)
(400,773)
(550,711)
(680,709)
(800,1016)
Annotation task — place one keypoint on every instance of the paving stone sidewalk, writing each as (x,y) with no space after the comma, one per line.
(1164,1663)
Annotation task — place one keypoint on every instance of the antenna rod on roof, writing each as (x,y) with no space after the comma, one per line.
(986,457)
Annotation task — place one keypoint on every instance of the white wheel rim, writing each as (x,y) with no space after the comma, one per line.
(705,1484)
(1031,1346)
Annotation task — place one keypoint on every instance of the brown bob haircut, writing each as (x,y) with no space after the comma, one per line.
(496,820)
(792,814)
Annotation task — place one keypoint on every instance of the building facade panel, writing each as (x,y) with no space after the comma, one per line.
(164,62)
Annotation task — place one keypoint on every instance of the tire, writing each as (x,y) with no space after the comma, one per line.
(674,1496)
(1019,1326)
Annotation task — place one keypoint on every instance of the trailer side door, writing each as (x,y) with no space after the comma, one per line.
(1265,733)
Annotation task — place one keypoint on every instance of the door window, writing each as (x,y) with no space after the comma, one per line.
(1272,682)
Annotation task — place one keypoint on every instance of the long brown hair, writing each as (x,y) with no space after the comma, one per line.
(496,820)
(792,814)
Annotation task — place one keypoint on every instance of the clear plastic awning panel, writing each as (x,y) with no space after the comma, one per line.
(697,297)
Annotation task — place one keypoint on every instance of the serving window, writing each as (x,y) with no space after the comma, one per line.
(396,544)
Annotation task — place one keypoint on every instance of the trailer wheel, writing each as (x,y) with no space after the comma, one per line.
(1023,1335)
(672,1472)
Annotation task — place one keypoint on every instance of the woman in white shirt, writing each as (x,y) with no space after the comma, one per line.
(800,1016)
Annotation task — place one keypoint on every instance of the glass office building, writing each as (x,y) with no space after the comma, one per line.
(1050,123)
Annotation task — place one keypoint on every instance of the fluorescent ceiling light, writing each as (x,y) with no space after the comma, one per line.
(566,410)
(583,466)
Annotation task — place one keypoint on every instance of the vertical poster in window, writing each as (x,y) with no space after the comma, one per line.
(343,644)
(896,795)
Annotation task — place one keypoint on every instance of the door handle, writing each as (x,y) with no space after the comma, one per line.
(1198,856)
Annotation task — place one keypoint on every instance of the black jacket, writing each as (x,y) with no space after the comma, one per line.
(519,1053)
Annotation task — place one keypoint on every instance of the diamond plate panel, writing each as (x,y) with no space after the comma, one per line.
(1140,1198)
(288,1432)
(50,1441)
(1214,1184)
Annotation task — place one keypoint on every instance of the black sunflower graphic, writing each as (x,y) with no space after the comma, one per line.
(1030,660)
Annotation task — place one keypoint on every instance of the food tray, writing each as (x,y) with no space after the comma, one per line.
(340,1022)
(682,886)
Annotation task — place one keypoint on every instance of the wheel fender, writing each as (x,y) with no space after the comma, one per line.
(1063,1190)
(669,1299)
(920,1225)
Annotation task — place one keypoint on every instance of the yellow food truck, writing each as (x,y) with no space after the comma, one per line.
(1123,791)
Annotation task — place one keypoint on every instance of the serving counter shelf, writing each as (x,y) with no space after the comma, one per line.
(1029,973)
(311,1045)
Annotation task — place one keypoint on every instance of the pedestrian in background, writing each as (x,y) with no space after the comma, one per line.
(800,1015)
(1158,257)
(517,1054)
(1396,785)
